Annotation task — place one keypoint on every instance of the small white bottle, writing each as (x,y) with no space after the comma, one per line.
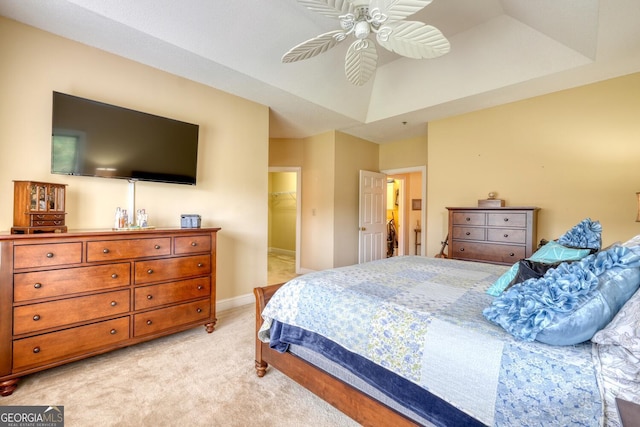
(118,217)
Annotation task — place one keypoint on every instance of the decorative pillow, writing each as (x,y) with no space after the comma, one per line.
(570,303)
(503,281)
(586,234)
(528,269)
(550,253)
(624,329)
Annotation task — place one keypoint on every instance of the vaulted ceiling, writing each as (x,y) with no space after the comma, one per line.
(501,51)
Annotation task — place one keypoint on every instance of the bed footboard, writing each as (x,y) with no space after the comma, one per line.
(357,405)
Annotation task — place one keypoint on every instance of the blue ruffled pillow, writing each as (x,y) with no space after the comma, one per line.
(585,234)
(550,253)
(569,304)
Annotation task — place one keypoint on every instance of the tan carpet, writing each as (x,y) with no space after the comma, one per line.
(187,379)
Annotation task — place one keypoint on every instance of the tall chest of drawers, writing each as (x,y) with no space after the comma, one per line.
(496,235)
(65,297)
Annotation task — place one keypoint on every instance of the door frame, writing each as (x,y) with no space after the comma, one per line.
(298,172)
(423,212)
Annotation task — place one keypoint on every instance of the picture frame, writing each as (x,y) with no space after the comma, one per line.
(416,204)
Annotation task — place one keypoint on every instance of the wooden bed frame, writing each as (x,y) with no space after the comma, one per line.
(354,403)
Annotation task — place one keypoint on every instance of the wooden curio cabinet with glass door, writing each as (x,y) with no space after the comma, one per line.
(38,207)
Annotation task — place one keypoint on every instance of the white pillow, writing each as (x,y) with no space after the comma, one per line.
(624,329)
(634,241)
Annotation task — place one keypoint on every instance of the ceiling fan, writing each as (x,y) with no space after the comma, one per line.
(361,18)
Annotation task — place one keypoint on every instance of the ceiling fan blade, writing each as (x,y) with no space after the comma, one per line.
(360,62)
(314,46)
(330,8)
(413,40)
(396,10)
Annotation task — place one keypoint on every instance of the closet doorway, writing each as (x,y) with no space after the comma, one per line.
(284,213)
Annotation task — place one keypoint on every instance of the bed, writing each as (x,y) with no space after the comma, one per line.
(421,341)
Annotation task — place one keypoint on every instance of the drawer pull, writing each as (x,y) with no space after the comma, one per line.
(149,296)
(36,350)
(36,317)
(461,249)
(150,271)
(200,287)
(156,247)
(114,276)
(149,322)
(194,244)
(50,255)
(506,219)
(114,303)
(199,310)
(105,251)
(37,285)
(113,332)
(200,264)
(506,235)
(467,219)
(468,233)
(512,254)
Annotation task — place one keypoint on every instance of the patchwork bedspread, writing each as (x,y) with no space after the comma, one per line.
(421,318)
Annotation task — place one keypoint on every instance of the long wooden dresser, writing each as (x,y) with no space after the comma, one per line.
(498,235)
(68,296)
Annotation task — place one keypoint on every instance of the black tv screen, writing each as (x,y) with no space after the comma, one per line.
(91,138)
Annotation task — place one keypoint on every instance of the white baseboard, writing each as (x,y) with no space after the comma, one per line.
(235,302)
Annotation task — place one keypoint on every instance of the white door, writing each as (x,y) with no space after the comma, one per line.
(373,218)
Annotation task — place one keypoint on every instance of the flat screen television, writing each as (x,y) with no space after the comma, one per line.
(91,138)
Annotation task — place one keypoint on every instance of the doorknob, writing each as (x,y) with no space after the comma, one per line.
(363,229)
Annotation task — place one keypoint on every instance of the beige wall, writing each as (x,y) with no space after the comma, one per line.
(232,189)
(318,177)
(352,155)
(574,154)
(330,167)
(404,153)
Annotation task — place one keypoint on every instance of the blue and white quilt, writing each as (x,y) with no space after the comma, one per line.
(421,318)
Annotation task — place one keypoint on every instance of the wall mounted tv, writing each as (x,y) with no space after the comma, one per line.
(91,138)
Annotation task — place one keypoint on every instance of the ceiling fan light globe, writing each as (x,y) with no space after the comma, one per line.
(362,30)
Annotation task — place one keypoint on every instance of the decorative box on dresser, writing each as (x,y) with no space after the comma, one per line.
(68,296)
(38,207)
(501,235)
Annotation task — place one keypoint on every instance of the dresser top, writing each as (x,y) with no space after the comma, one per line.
(6,235)
(504,208)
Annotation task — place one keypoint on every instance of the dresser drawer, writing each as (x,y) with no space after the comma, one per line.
(165,318)
(170,293)
(469,218)
(44,284)
(506,254)
(59,345)
(172,268)
(46,219)
(45,255)
(192,244)
(469,233)
(45,315)
(507,235)
(108,250)
(498,219)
